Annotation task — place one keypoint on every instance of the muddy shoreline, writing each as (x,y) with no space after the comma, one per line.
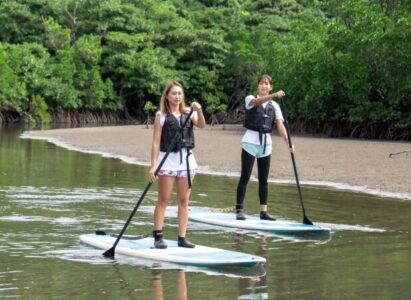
(361,165)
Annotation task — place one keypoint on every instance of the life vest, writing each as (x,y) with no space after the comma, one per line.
(260,119)
(170,129)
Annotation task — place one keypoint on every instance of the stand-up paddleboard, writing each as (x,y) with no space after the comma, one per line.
(255,224)
(201,256)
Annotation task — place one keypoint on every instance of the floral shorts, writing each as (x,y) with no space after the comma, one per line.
(181,173)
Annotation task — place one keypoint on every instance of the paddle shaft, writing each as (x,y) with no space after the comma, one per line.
(305,219)
(110,252)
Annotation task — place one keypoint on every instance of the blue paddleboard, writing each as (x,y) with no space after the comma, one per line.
(202,256)
(255,224)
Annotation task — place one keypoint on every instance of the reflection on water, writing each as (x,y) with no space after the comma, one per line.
(253,288)
(249,288)
(49,196)
(157,284)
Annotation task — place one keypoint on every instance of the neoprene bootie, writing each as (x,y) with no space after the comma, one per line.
(183,242)
(265,216)
(159,243)
(240,215)
(239,212)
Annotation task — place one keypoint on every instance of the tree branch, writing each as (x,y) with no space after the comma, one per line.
(406,151)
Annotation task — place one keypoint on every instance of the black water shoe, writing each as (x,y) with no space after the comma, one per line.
(265,216)
(183,242)
(160,244)
(240,215)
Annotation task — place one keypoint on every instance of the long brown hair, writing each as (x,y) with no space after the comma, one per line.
(165,105)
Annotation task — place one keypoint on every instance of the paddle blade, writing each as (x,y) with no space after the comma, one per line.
(109,253)
(307,221)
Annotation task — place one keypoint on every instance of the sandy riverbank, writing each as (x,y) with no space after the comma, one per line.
(341,163)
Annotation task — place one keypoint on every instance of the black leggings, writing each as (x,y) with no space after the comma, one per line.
(247,163)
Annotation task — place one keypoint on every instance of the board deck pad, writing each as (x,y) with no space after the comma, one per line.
(254,223)
(202,256)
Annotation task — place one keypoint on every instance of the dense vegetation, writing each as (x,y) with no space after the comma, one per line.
(344,64)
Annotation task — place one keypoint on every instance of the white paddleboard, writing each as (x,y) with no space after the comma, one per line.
(255,224)
(202,256)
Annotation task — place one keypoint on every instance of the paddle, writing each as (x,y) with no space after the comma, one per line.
(110,252)
(305,219)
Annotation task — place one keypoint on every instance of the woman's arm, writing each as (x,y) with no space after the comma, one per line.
(199,119)
(155,148)
(263,99)
(282,131)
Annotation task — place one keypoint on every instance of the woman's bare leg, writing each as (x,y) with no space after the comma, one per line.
(183,196)
(165,187)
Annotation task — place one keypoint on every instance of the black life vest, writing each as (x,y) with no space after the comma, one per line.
(171,127)
(260,119)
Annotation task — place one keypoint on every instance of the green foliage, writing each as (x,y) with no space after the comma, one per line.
(39,109)
(347,68)
(19,23)
(29,62)
(94,92)
(56,37)
(149,107)
(214,106)
(338,61)
(60,88)
(136,64)
(12,90)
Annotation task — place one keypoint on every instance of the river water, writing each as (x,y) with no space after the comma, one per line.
(49,196)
